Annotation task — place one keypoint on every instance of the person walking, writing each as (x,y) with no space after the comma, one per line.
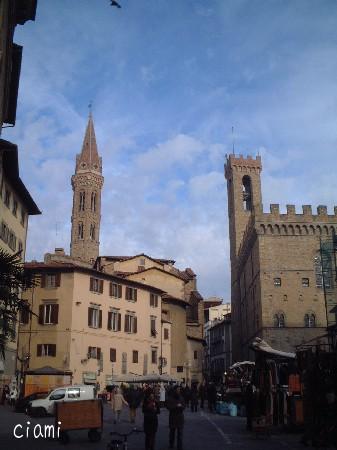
(162,395)
(176,406)
(151,410)
(117,403)
(133,397)
(202,394)
(194,397)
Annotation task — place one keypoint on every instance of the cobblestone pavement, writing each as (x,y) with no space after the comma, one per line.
(202,431)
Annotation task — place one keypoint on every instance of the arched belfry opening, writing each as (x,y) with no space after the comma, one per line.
(247,193)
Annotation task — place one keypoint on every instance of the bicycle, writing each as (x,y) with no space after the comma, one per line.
(118,444)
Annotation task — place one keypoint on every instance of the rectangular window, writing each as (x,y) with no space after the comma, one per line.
(153,326)
(24,313)
(135,356)
(277,282)
(46,350)
(50,280)
(154,300)
(154,356)
(94,352)
(114,320)
(180,369)
(48,314)
(195,354)
(4,232)
(115,290)
(12,241)
(94,317)
(96,285)
(305,282)
(23,217)
(112,355)
(15,207)
(131,294)
(7,199)
(166,334)
(130,323)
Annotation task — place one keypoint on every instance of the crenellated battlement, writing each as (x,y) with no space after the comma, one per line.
(293,223)
(242,164)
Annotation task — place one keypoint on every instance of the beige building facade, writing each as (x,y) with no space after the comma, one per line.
(93,324)
(277,290)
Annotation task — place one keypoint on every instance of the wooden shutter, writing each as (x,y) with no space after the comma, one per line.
(98,353)
(58,279)
(89,352)
(43,280)
(126,323)
(39,350)
(52,348)
(119,291)
(110,289)
(90,313)
(41,311)
(25,314)
(109,320)
(100,319)
(112,355)
(135,324)
(91,284)
(54,314)
(127,293)
(166,333)
(101,283)
(119,321)
(135,296)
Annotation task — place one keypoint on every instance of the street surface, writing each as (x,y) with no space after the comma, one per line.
(202,431)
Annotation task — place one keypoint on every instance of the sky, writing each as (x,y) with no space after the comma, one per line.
(168,79)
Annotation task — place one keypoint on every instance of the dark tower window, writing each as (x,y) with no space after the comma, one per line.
(82,201)
(92,232)
(247,193)
(93,201)
(80,230)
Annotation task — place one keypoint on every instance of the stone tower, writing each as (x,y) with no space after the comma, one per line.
(87,186)
(244,197)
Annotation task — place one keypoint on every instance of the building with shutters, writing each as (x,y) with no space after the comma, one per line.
(93,324)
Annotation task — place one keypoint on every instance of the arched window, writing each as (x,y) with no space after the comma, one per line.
(80,230)
(92,232)
(279,320)
(82,201)
(93,201)
(247,193)
(310,320)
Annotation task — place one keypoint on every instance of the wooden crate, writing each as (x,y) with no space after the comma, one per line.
(79,415)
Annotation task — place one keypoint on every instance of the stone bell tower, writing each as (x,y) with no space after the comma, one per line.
(244,196)
(87,186)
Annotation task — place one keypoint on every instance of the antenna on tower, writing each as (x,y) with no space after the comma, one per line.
(233,140)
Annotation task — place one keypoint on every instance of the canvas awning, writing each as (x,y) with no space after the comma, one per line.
(261,346)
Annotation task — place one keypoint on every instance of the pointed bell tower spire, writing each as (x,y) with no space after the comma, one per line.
(87,186)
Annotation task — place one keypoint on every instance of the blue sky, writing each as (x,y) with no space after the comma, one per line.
(168,80)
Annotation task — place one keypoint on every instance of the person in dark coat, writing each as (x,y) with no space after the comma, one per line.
(176,406)
(202,394)
(133,397)
(211,396)
(186,393)
(194,397)
(151,409)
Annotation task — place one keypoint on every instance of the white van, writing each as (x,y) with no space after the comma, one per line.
(44,406)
